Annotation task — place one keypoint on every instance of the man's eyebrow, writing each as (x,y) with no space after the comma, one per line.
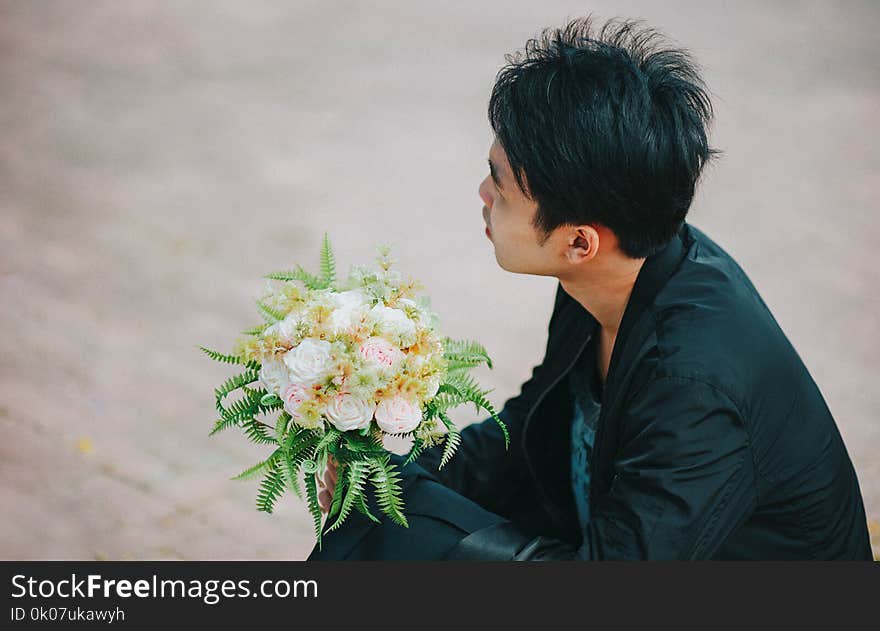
(494,173)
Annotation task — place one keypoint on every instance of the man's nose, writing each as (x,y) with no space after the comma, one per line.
(485,194)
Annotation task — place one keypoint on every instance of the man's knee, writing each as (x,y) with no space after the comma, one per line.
(438,518)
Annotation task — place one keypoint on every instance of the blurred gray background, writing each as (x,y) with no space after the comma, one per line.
(157,158)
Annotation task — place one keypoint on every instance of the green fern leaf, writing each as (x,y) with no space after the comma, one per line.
(298,447)
(250,472)
(328,263)
(361,447)
(361,506)
(292,464)
(453,439)
(484,403)
(314,506)
(281,426)
(300,439)
(238,413)
(269,314)
(468,387)
(357,472)
(461,388)
(415,451)
(257,330)
(243,410)
(221,424)
(465,350)
(447,396)
(299,274)
(292,477)
(462,364)
(231,359)
(271,488)
(387,483)
(331,436)
(257,432)
(233,383)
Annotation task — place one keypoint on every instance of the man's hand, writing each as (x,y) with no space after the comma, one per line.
(328,485)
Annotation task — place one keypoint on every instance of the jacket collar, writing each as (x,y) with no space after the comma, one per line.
(546,448)
(652,277)
(576,325)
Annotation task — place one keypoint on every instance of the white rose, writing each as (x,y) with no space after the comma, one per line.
(274,375)
(350,298)
(348,412)
(393,321)
(309,362)
(398,415)
(348,308)
(381,352)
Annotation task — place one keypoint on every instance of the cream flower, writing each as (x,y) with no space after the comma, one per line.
(274,375)
(348,412)
(309,362)
(350,298)
(393,322)
(348,309)
(398,415)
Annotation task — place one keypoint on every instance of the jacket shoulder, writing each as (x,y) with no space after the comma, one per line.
(711,324)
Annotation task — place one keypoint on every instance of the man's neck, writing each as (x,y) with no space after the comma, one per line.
(605,295)
(605,292)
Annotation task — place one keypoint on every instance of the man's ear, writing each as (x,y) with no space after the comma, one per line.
(582,244)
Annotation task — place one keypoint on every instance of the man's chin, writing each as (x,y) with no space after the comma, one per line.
(508,266)
(513,268)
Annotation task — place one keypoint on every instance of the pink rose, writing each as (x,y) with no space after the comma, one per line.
(293,396)
(398,415)
(380,351)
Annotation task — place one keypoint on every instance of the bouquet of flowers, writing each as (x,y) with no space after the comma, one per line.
(343,364)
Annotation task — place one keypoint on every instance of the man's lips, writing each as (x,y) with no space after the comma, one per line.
(486,220)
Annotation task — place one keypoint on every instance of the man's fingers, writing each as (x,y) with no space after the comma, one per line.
(327,484)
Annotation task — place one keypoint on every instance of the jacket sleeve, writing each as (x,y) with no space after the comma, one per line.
(482,469)
(683,481)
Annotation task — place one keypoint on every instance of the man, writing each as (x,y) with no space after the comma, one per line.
(670,418)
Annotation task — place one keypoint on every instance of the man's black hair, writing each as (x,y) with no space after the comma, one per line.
(606,128)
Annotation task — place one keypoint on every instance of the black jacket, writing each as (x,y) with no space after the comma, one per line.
(713,442)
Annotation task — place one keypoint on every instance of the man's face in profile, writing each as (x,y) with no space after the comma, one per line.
(508,215)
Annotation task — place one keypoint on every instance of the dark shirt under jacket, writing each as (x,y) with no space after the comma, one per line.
(586,388)
(713,440)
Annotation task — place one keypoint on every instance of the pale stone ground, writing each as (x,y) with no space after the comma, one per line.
(157,158)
